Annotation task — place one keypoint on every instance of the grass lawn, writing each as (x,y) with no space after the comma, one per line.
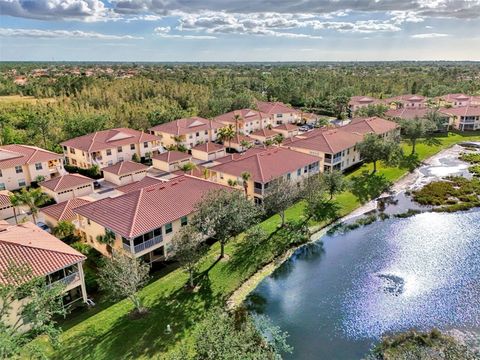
(17,99)
(108,333)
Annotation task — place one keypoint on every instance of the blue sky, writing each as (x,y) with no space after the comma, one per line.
(234,30)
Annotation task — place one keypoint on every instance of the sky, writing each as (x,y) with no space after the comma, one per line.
(239,30)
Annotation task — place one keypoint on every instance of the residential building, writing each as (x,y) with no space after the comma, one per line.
(47,257)
(416,113)
(20,165)
(187,132)
(6,208)
(264,135)
(286,130)
(245,121)
(373,125)
(264,167)
(358,102)
(137,185)
(108,147)
(406,101)
(171,160)
(208,151)
(144,221)
(465,118)
(63,211)
(279,113)
(455,100)
(240,142)
(67,187)
(124,172)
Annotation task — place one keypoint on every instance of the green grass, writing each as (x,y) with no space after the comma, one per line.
(109,333)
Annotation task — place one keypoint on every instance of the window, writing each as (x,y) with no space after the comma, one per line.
(145,144)
(1,173)
(72,151)
(74,162)
(109,152)
(22,182)
(157,232)
(119,149)
(279,115)
(299,172)
(38,166)
(132,146)
(2,186)
(18,169)
(305,169)
(198,134)
(184,220)
(289,176)
(88,221)
(190,136)
(168,228)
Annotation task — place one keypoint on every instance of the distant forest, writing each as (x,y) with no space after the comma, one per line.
(75,99)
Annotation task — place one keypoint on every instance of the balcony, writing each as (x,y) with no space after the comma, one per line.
(258,191)
(144,245)
(67,280)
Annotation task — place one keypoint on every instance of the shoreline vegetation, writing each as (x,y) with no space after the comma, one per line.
(106,331)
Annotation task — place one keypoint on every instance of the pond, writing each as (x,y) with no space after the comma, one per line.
(336,301)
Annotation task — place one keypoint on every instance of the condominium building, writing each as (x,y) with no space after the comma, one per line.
(108,147)
(279,113)
(67,187)
(20,165)
(245,121)
(465,118)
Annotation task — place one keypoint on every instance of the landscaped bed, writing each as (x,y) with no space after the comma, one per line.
(474,159)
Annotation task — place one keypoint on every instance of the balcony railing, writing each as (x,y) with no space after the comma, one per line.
(67,280)
(148,244)
(258,191)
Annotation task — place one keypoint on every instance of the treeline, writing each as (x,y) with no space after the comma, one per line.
(161,93)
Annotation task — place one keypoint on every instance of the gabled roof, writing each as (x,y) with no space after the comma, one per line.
(146,209)
(5,198)
(238,138)
(363,100)
(187,125)
(407,113)
(276,107)
(107,139)
(172,156)
(14,155)
(246,115)
(64,211)
(267,165)
(27,244)
(285,127)
(140,184)
(265,133)
(463,111)
(65,182)
(125,167)
(406,98)
(373,124)
(330,141)
(454,97)
(208,147)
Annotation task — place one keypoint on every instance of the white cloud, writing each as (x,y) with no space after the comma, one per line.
(429,36)
(55,34)
(164,32)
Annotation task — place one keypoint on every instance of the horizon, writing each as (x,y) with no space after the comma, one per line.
(236,32)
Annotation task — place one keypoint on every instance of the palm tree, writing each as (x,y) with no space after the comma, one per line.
(236,118)
(33,199)
(245,177)
(206,173)
(245,144)
(227,134)
(15,203)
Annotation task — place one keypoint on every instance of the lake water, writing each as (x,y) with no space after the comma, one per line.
(336,301)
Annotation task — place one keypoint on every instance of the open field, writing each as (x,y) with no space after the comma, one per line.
(108,332)
(17,99)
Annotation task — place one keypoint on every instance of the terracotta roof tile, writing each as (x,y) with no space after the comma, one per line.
(208,147)
(276,107)
(374,124)
(187,125)
(330,141)
(14,155)
(287,127)
(265,133)
(5,198)
(28,244)
(143,210)
(64,211)
(125,167)
(172,156)
(108,139)
(65,182)
(463,111)
(363,100)
(246,115)
(140,184)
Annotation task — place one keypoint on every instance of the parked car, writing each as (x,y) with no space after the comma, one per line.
(304,128)
(96,185)
(44,226)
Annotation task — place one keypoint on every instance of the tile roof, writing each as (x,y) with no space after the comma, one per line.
(172,156)
(143,210)
(463,111)
(28,244)
(187,126)
(242,155)
(5,198)
(330,141)
(239,138)
(64,211)
(407,113)
(246,115)
(209,147)
(267,164)
(125,167)
(363,100)
(14,155)
(287,127)
(65,182)
(140,184)
(107,139)
(373,124)
(406,98)
(454,97)
(276,107)
(265,133)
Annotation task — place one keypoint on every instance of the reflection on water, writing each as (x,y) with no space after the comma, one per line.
(390,276)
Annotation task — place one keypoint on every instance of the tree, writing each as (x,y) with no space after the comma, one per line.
(187,167)
(415,129)
(123,276)
(372,110)
(44,303)
(246,176)
(278,139)
(374,148)
(188,248)
(441,121)
(135,158)
(226,134)
(33,199)
(236,119)
(334,182)
(245,144)
(223,214)
(279,196)
(64,230)
(317,206)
